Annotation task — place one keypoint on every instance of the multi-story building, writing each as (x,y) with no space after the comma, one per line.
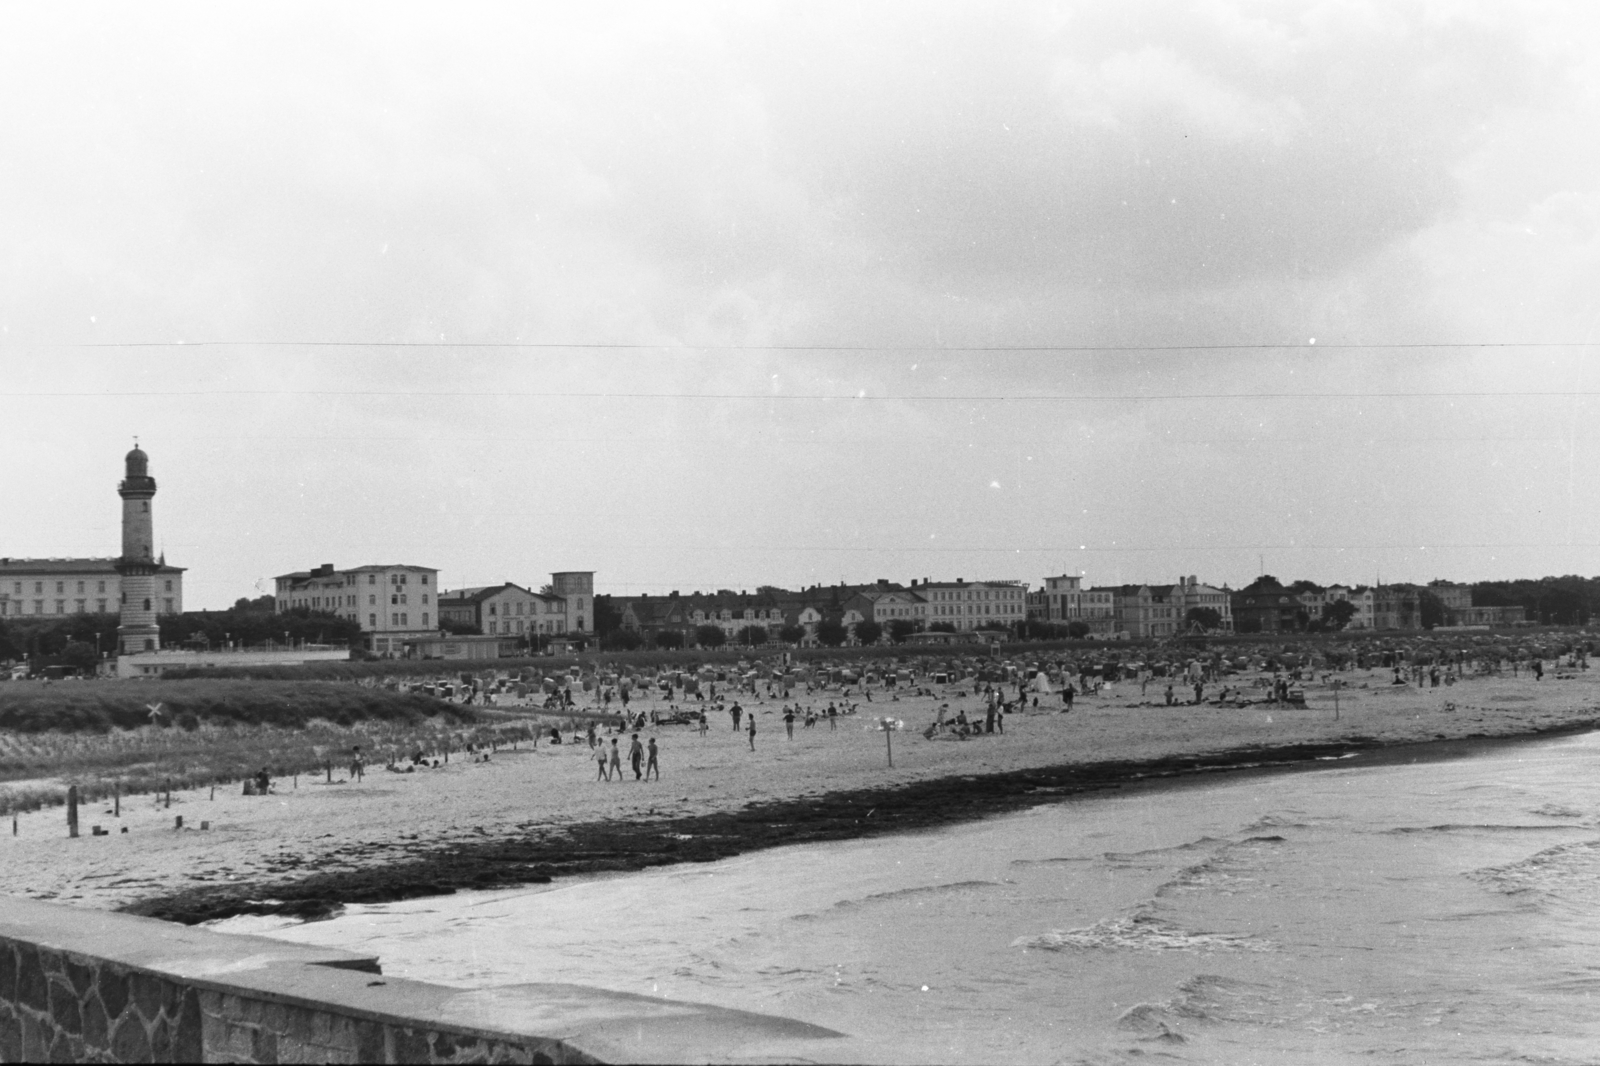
(969,605)
(884,605)
(1265,606)
(505,610)
(576,589)
(393,604)
(30,587)
(1189,594)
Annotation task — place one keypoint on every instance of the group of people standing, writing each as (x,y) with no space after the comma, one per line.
(608,760)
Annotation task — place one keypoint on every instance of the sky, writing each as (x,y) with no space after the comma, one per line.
(705,296)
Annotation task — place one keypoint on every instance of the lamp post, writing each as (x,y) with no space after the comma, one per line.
(888,726)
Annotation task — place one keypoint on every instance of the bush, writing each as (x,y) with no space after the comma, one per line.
(669,639)
(792,634)
(710,636)
(869,632)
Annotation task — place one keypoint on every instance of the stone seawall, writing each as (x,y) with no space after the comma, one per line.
(92,986)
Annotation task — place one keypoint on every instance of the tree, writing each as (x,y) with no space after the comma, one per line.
(831,631)
(1337,614)
(621,640)
(669,638)
(1431,608)
(792,634)
(868,631)
(710,636)
(459,628)
(900,629)
(607,619)
(1208,617)
(1077,630)
(942,627)
(750,636)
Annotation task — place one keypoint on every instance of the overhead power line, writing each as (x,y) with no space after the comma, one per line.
(931,349)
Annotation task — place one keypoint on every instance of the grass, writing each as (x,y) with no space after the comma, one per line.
(99,735)
(97,706)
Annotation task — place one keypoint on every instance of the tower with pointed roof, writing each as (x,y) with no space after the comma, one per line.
(137,630)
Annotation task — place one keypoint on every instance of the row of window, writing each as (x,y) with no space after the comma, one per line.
(396,618)
(61,587)
(965,595)
(15,608)
(328,602)
(973,608)
(550,607)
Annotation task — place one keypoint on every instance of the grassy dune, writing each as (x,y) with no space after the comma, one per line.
(101,736)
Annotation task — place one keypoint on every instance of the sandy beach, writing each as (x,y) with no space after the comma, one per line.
(527,814)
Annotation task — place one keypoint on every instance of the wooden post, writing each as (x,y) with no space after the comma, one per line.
(330,771)
(179,823)
(169,792)
(72,811)
(888,739)
(116,799)
(213,791)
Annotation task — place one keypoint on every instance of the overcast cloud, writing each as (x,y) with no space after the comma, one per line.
(882,183)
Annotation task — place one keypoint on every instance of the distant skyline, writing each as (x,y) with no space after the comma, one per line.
(809,293)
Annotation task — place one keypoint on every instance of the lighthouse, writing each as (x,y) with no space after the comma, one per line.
(137,631)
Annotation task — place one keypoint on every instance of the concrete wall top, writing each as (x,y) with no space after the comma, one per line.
(594,1023)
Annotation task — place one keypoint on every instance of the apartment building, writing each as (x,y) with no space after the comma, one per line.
(393,604)
(42,587)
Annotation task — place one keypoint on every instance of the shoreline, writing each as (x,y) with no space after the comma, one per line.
(613,845)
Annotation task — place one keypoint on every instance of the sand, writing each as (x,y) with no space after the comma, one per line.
(255,847)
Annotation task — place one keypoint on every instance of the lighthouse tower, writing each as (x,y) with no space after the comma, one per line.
(137,632)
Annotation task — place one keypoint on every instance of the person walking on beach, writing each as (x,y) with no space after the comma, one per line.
(703,723)
(650,764)
(734,712)
(600,762)
(357,766)
(635,754)
(614,762)
(752,724)
(788,720)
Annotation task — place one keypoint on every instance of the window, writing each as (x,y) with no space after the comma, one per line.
(372,621)
(83,605)
(424,581)
(372,601)
(394,599)
(404,578)
(424,619)
(100,605)
(394,618)
(403,620)
(38,587)
(147,605)
(169,587)
(168,604)
(61,586)
(38,607)
(491,609)
(372,579)
(61,607)
(80,588)
(17,587)
(424,597)
(101,588)
(402,597)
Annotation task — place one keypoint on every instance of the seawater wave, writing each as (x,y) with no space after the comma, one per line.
(1140,932)
(1394,914)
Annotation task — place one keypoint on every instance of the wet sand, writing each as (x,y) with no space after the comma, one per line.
(529,815)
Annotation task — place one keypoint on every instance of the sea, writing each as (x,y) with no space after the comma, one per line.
(1371,910)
